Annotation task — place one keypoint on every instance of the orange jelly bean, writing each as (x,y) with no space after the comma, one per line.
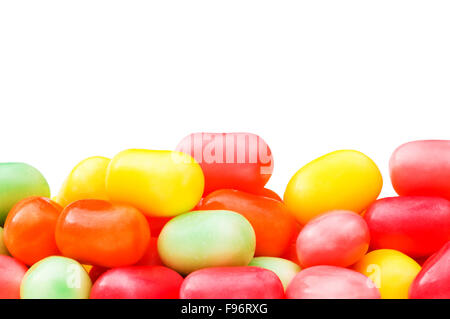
(97,232)
(30,229)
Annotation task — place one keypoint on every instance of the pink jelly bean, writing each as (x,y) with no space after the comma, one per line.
(331,282)
(338,238)
(232,283)
(11,274)
(422,168)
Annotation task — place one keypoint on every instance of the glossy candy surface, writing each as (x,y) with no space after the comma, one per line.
(101,233)
(158,183)
(203,239)
(232,283)
(422,168)
(390,270)
(331,282)
(18,181)
(132,226)
(138,282)
(274,226)
(56,278)
(29,232)
(85,181)
(240,161)
(337,238)
(433,281)
(415,225)
(270,194)
(11,274)
(353,181)
(283,268)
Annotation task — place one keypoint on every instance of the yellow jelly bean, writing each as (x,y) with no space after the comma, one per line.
(347,180)
(85,181)
(159,183)
(390,270)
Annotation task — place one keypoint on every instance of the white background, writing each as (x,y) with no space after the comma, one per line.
(83,78)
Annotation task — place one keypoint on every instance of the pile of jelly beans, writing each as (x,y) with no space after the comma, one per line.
(198,222)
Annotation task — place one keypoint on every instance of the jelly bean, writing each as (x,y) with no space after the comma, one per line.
(283,268)
(85,181)
(433,281)
(274,226)
(97,232)
(158,183)
(232,283)
(18,181)
(346,180)
(337,238)
(56,277)
(202,239)
(151,256)
(422,168)
(240,161)
(138,282)
(331,282)
(3,249)
(11,274)
(415,225)
(30,229)
(390,270)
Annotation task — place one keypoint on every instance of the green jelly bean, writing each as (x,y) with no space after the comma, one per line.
(283,268)
(201,239)
(18,181)
(56,277)
(3,250)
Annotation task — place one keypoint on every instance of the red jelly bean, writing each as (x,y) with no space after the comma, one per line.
(232,283)
(433,281)
(11,274)
(138,282)
(230,160)
(30,229)
(331,282)
(337,238)
(422,168)
(274,226)
(415,225)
